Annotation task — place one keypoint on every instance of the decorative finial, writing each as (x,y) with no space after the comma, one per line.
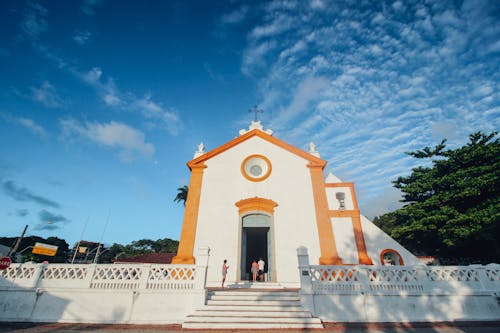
(200,151)
(256,111)
(312,149)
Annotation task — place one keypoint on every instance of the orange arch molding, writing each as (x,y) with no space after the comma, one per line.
(247,205)
(401,262)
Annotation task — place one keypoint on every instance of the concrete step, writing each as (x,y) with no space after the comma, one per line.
(252,308)
(262,297)
(257,319)
(244,325)
(252,293)
(258,285)
(236,302)
(258,312)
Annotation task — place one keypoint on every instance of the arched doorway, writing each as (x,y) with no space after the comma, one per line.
(256,243)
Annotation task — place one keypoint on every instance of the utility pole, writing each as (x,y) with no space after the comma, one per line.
(81,236)
(100,242)
(14,248)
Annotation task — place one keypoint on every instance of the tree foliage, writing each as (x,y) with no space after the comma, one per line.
(453,206)
(182,194)
(28,242)
(107,254)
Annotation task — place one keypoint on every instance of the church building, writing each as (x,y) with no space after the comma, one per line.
(257,196)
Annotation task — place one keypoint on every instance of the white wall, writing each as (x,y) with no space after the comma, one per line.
(289,185)
(344,239)
(126,293)
(376,241)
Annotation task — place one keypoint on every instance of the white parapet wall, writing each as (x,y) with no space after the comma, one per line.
(124,293)
(400,293)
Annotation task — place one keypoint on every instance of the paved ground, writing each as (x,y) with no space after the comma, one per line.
(470,327)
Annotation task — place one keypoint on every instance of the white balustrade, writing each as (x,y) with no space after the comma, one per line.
(405,279)
(112,276)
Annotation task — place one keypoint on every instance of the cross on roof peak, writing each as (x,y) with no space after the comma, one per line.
(255,111)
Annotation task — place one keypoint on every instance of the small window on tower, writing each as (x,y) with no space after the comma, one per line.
(341,198)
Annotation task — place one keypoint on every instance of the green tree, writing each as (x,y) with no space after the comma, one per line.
(452,207)
(182,194)
(28,242)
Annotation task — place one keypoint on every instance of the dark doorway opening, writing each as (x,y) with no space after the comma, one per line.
(255,246)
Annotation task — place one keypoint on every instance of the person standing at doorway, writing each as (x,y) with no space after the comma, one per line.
(254,269)
(262,265)
(224,271)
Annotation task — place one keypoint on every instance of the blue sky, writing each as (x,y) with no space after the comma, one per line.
(103,102)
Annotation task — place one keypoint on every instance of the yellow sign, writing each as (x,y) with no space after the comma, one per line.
(44,249)
(82,249)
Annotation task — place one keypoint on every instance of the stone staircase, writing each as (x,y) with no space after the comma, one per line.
(252,309)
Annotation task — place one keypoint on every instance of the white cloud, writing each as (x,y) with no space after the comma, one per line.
(254,56)
(88,6)
(385,86)
(317,4)
(34,22)
(167,119)
(129,142)
(46,95)
(236,16)
(279,25)
(82,37)
(30,124)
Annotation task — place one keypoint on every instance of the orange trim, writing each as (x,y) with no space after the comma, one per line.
(359,238)
(401,262)
(256,179)
(329,255)
(350,185)
(353,196)
(252,204)
(355,216)
(313,160)
(343,213)
(343,184)
(188,233)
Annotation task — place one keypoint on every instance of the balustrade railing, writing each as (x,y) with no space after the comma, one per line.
(406,279)
(119,276)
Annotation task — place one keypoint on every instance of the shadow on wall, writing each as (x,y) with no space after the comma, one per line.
(405,293)
(21,304)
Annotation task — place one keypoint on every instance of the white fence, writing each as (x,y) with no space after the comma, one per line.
(97,276)
(405,279)
(121,293)
(400,293)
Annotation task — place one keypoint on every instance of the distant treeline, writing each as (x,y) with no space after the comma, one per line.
(89,249)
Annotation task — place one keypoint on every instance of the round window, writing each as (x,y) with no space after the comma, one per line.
(256,168)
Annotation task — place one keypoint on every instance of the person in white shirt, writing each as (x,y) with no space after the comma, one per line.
(262,265)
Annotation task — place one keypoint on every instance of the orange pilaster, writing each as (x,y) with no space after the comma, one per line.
(329,255)
(355,216)
(190,221)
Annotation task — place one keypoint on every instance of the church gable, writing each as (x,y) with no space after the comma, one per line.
(313,160)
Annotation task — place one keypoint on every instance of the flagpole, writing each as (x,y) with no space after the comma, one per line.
(79,240)
(102,237)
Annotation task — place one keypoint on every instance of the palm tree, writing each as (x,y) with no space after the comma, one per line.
(182,194)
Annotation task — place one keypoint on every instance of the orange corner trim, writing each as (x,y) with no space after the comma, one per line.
(190,221)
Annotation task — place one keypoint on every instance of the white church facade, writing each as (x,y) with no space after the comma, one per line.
(257,196)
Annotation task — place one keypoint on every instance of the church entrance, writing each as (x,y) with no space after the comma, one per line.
(255,244)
